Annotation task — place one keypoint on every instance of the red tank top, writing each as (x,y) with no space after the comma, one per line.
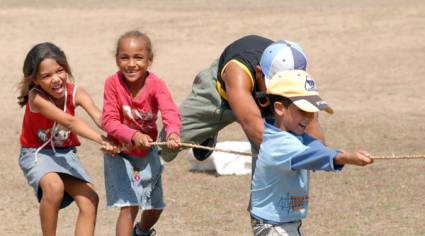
(37,129)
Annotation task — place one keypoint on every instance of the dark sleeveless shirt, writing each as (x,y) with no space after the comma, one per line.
(246,52)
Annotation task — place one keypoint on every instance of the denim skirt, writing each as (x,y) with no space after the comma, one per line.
(134,181)
(62,160)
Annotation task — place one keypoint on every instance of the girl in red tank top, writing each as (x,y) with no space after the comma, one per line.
(48,139)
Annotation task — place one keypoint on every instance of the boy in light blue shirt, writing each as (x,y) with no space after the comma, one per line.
(279,198)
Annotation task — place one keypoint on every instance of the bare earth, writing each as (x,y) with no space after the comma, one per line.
(367,56)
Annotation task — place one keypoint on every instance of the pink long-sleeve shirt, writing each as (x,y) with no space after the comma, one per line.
(123,115)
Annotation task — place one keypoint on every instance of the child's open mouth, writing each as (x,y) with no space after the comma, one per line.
(58,88)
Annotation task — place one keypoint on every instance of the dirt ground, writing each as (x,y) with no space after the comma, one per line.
(367,57)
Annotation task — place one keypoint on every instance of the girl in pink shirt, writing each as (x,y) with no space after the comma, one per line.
(132,98)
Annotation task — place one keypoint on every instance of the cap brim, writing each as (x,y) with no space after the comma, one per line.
(311,104)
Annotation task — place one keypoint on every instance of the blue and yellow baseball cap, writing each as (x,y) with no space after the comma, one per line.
(299,87)
(282,55)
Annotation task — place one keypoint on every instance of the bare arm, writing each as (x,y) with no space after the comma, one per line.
(238,91)
(83,99)
(50,111)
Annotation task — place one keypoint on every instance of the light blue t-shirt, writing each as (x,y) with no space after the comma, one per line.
(281,180)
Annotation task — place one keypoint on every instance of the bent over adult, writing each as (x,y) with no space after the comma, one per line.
(227,91)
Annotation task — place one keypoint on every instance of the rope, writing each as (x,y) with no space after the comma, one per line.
(393,157)
(190,145)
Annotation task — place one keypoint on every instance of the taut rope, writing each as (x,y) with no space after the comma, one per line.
(393,157)
(190,145)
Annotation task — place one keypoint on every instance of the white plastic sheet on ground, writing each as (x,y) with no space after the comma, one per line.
(225,163)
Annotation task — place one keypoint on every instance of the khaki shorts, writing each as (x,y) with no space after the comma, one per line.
(204,113)
(285,229)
